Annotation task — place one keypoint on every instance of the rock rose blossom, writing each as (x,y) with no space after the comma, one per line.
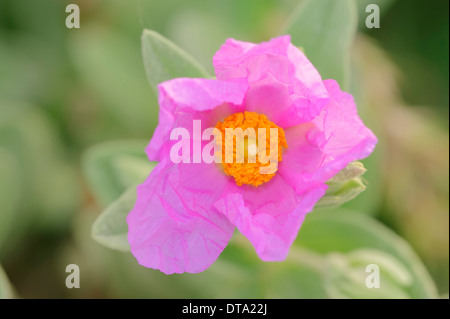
(186,213)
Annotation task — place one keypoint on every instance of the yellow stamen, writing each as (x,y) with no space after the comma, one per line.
(245,166)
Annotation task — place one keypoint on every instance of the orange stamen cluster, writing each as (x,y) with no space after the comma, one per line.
(244,170)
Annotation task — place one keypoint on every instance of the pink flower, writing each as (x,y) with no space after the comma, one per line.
(186,213)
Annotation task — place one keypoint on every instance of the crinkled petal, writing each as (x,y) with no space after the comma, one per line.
(283,84)
(270,215)
(320,149)
(183,100)
(173,226)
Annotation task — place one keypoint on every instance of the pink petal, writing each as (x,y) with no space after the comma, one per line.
(270,216)
(284,85)
(320,149)
(173,226)
(183,100)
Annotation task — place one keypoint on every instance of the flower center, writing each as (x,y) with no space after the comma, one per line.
(251,147)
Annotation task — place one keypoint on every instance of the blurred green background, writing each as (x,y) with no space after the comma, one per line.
(65,91)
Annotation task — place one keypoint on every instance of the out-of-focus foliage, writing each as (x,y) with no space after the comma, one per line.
(41,180)
(5,287)
(414,162)
(112,167)
(325,30)
(65,92)
(9,184)
(163,60)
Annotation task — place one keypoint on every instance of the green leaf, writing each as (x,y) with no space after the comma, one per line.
(299,276)
(6,291)
(164,60)
(131,169)
(352,170)
(344,186)
(240,273)
(112,167)
(111,229)
(346,275)
(325,30)
(369,201)
(344,231)
(341,192)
